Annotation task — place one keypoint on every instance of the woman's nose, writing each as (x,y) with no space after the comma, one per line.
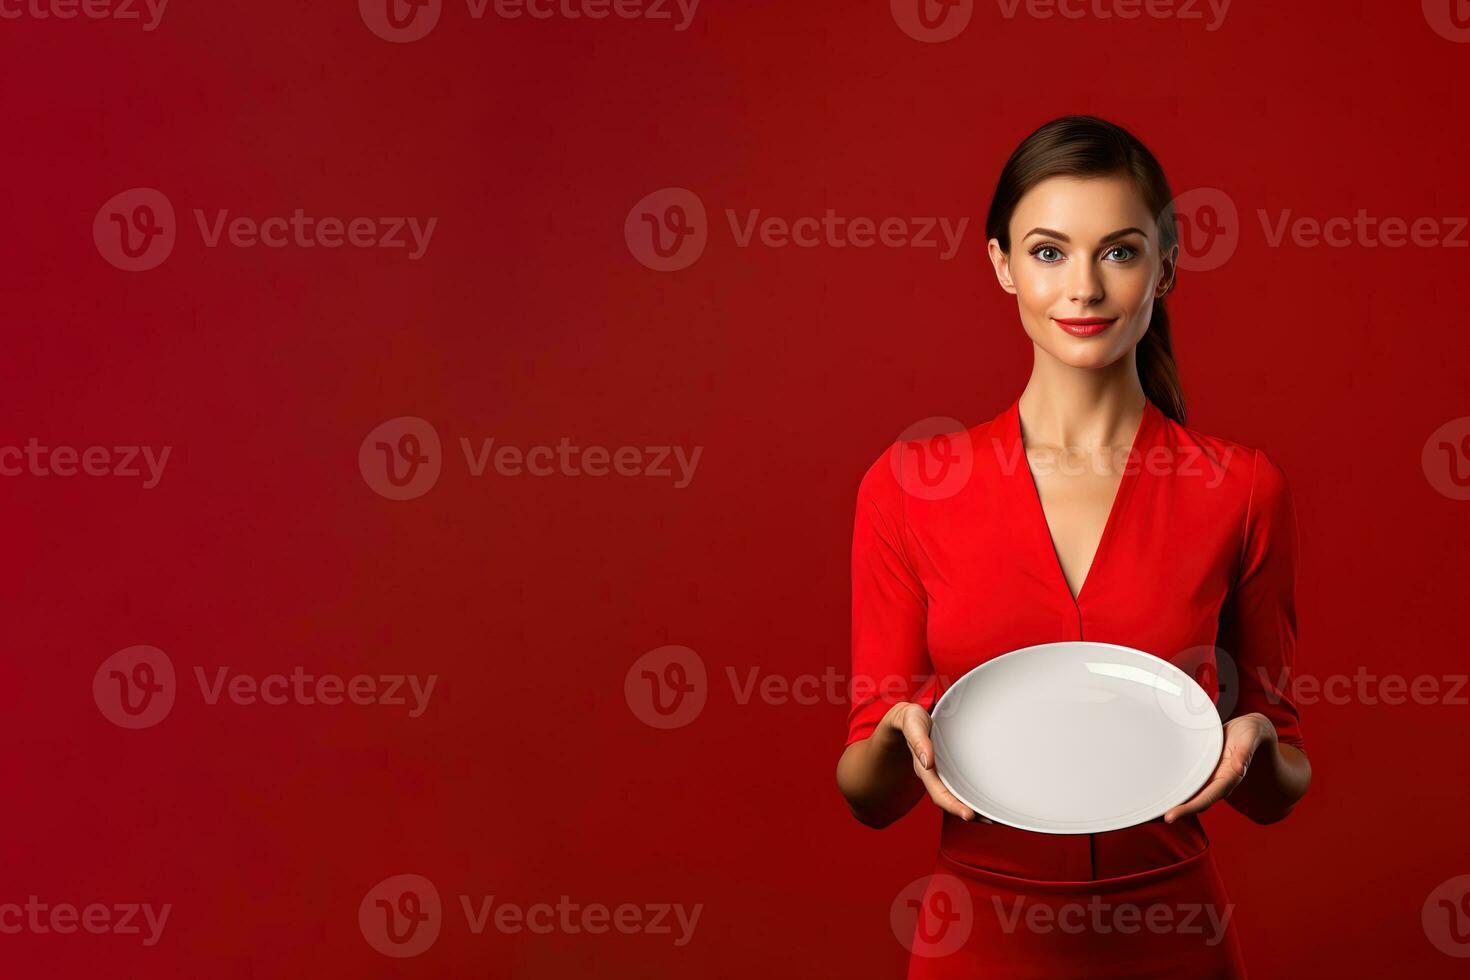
(1085,285)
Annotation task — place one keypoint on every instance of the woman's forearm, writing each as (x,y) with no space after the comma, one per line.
(876,776)
(1276,779)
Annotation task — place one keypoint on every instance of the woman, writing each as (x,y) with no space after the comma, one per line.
(1137,531)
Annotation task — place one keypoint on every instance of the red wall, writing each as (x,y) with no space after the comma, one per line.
(529,319)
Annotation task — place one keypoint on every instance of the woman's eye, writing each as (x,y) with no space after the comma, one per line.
(1129,251)
(1041,253)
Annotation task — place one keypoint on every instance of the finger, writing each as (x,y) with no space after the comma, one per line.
(1215,791)
(1234,763)
(942,797)
(1240,746)
(916,723)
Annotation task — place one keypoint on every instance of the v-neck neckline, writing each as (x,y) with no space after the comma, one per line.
(1120,496)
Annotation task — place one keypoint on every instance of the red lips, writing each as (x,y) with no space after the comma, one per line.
(1085,326)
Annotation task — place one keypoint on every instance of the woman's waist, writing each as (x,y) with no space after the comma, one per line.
(1024,854)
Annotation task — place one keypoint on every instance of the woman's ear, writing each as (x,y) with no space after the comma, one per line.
(1168,269)
(1002,263)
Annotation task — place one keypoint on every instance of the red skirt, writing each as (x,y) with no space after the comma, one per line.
(1166,922)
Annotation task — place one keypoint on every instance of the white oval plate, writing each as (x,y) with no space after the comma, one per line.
(1075,737)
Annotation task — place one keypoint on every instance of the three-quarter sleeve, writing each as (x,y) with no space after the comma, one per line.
(1258,619)
(890,655)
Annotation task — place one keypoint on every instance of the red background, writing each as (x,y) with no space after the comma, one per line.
(529,320)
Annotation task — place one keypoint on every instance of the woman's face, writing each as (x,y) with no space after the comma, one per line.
(1084,250)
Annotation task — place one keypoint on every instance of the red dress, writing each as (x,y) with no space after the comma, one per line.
(953,564)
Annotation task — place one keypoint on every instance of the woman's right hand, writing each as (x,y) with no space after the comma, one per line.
(911,723)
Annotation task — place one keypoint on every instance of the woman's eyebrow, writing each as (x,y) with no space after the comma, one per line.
(1050,233)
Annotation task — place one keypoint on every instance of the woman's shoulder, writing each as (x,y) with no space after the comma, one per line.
(1247,468)
(931,460)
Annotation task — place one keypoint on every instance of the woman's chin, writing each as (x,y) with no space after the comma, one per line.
(1084,353)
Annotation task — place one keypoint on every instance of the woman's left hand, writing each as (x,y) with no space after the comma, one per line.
(1243,736)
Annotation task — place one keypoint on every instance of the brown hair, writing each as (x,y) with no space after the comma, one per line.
(1085,146)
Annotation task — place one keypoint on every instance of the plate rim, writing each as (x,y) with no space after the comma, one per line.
(1216,731)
